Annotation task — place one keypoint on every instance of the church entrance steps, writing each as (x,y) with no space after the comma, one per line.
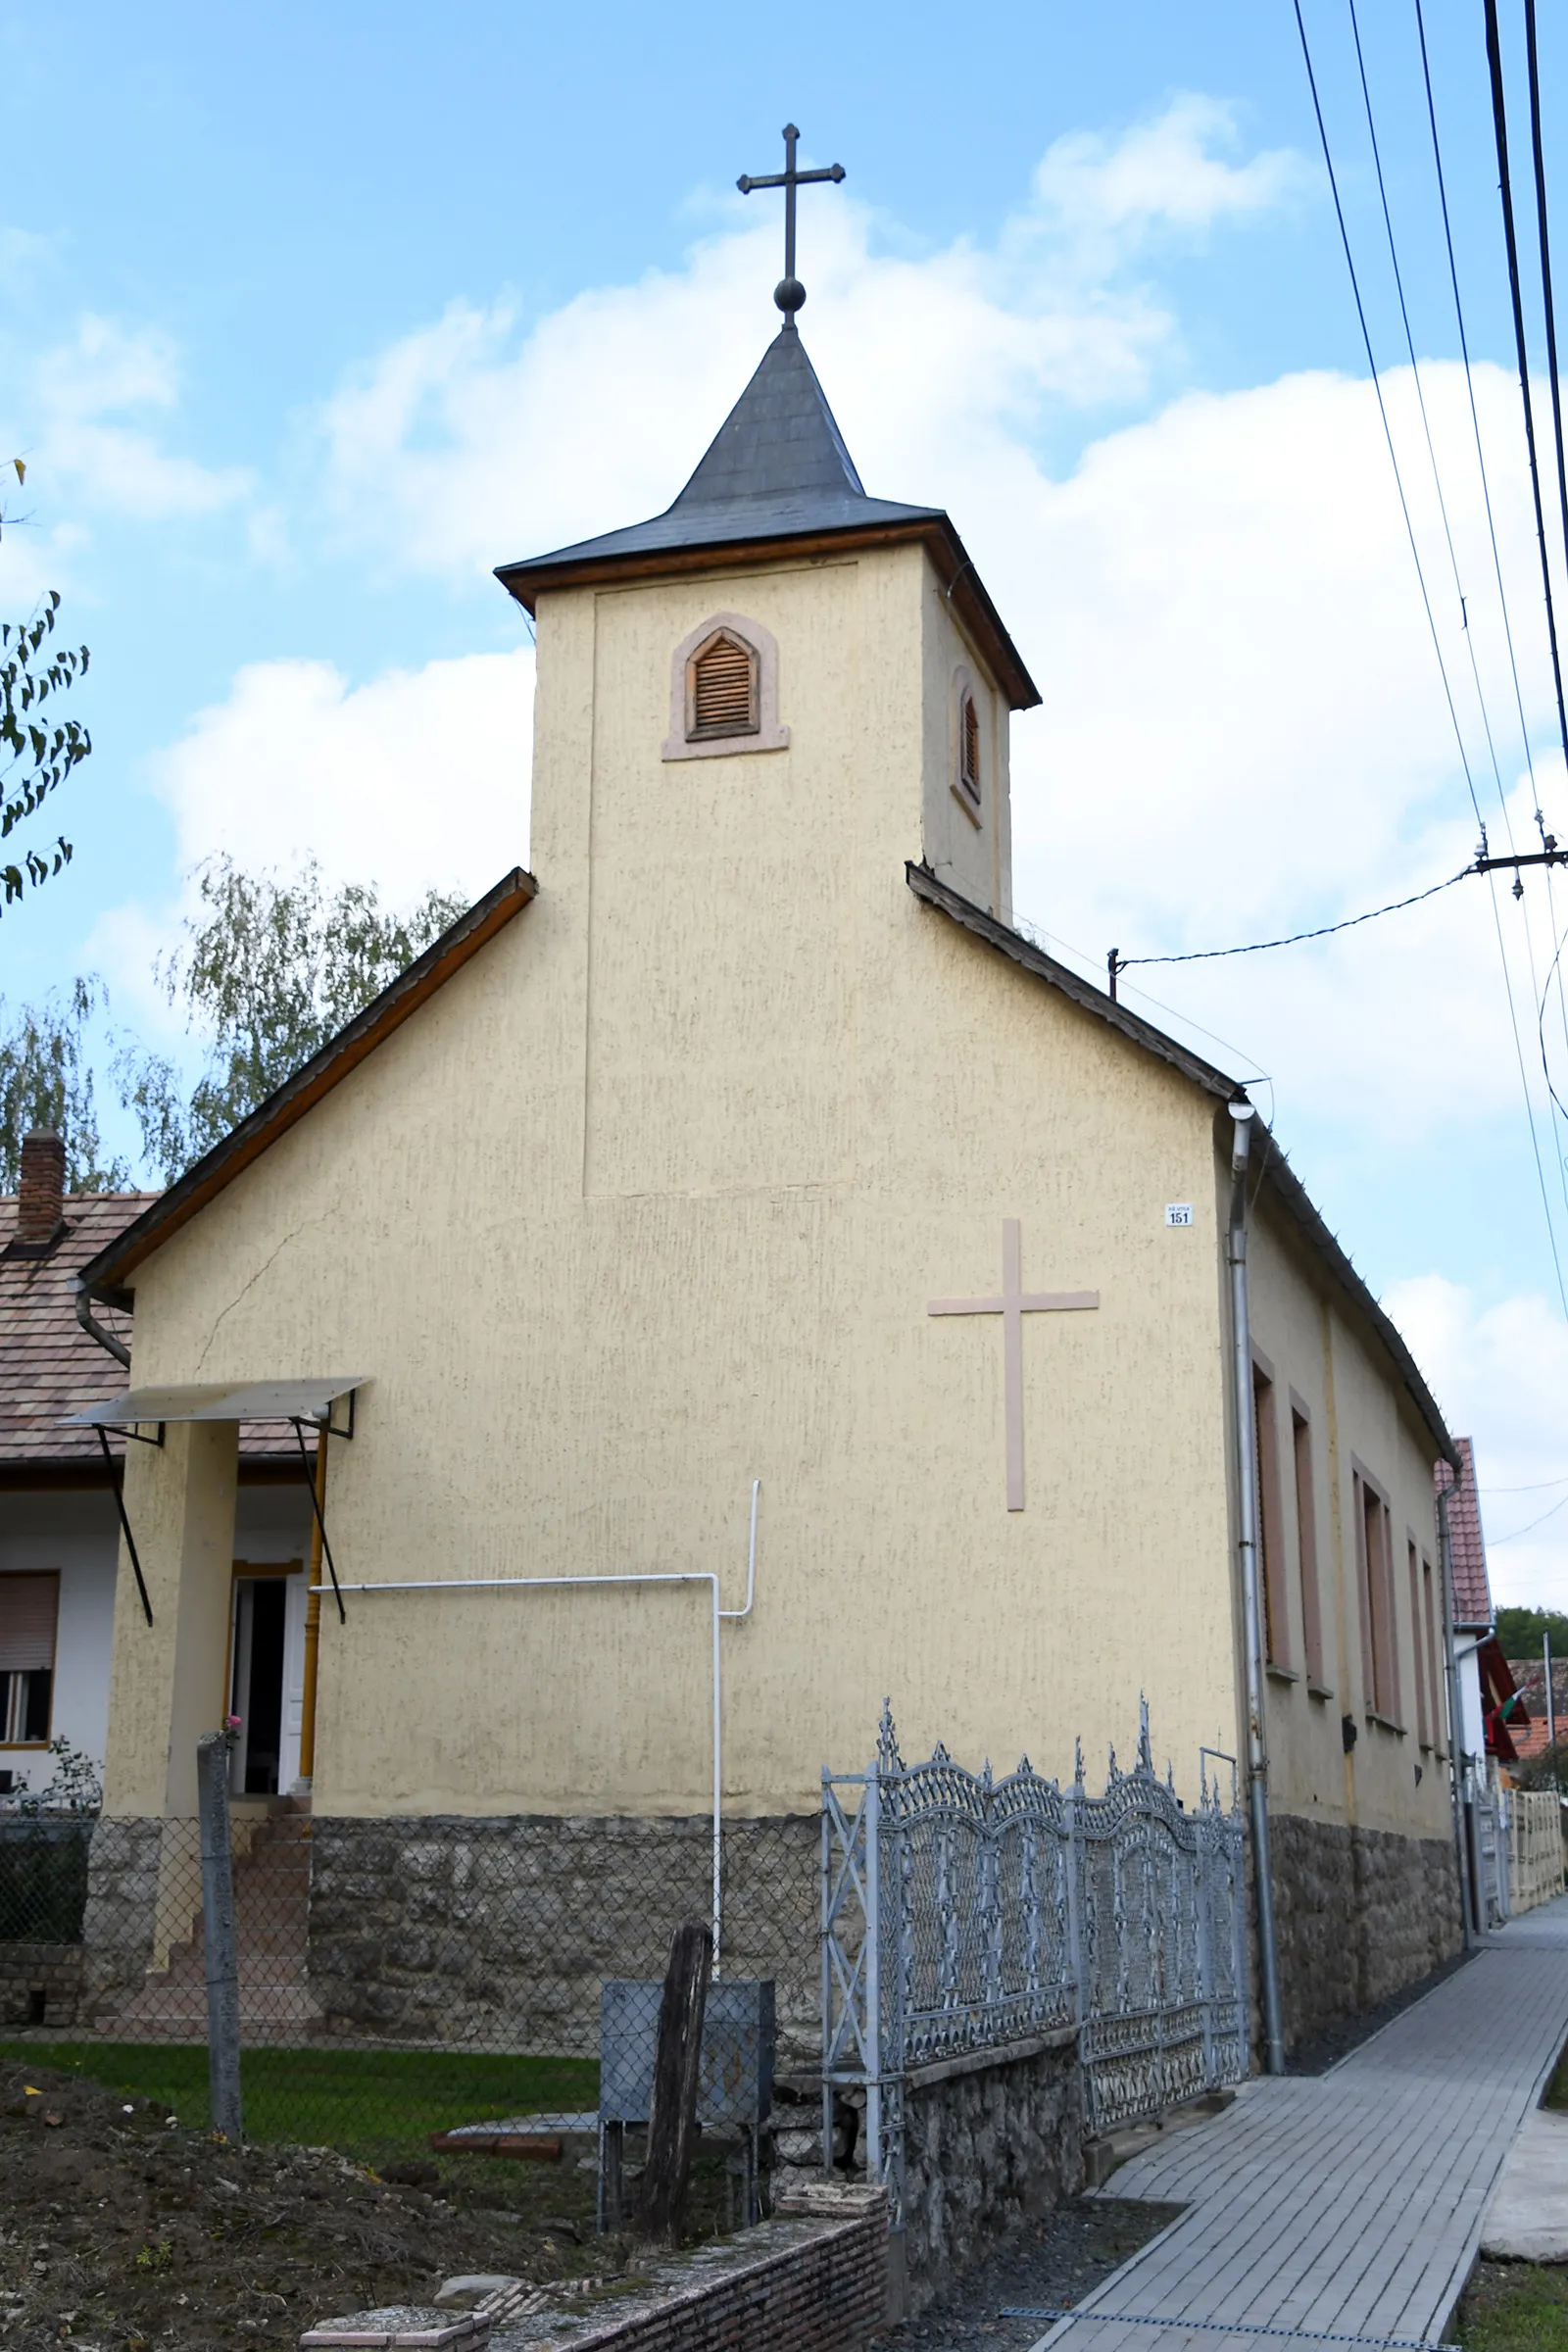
(1347,2205)
(272,1904)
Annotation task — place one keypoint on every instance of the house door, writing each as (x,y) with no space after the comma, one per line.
(267,1681)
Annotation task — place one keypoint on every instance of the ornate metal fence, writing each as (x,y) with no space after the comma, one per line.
(961,1913)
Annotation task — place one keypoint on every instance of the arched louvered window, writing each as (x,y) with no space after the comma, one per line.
(969,747)
(723,689)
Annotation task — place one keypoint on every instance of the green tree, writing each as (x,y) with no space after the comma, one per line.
(1519,1632)
(38,750)
(46,1080)
(268,972)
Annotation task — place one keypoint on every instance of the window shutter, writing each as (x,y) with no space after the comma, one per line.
(29,1606)
(970,749)
(724,699)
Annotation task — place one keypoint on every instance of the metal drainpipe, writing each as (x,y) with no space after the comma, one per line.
(1268,1968)
(1469,1907)
(95,1330)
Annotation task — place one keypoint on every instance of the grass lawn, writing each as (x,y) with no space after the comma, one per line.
(1515,2307)
(370,2102)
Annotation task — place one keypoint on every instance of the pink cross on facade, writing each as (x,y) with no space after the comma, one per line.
(1014,1304)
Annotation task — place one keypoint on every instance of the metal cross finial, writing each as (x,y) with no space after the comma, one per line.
(789,293)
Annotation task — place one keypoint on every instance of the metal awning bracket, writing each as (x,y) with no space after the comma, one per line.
(315,1505)
(124,1523)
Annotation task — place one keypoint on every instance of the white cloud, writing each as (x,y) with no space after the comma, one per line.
(462,442)
(417,780)
(1501,1372)
(76,416)
(1163,174)
(1243,730)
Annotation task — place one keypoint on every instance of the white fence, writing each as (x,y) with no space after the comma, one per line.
(1534,1848)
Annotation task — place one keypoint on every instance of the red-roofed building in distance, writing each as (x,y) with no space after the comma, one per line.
(1494,1715)
(58,1527)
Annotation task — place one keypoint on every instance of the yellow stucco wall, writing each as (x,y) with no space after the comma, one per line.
(1326,1363)
(650,1199)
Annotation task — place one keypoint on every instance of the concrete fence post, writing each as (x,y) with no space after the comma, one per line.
(220,1936)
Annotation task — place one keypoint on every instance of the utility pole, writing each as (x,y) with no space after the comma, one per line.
(1552,1702)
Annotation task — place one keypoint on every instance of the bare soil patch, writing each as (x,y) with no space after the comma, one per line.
(122,2230)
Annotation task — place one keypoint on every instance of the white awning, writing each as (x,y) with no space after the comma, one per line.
(222,1400)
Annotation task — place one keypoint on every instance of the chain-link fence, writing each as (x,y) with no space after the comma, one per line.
(396,1978)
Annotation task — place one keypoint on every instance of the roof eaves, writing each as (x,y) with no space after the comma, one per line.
(104,1276)
(1277,1172)
(1294,1199)
(926,885)
(602,562)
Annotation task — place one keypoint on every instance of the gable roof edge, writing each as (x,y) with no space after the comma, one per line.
(1276,1171)
(104,1276)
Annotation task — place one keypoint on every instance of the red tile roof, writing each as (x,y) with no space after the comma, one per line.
(49,1366)
(1472,1592)
(1531,1676)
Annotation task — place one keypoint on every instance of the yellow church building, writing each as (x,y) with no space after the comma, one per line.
(749,1280)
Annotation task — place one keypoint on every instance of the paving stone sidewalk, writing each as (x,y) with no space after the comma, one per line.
(1348,2204)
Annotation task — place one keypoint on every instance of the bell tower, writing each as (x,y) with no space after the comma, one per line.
(750,712)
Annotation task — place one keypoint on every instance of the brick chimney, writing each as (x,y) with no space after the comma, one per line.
(42,1194)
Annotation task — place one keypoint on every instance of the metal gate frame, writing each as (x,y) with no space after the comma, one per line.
(960,1913)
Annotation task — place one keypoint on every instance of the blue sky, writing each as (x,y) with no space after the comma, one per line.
(309,317)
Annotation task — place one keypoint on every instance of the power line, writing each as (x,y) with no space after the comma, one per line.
(1470,388)
(1123,963)
(1538,996)
(1499,125)
(1426,421)
(1502,597)
(1366,339)
(1377,386)
(1549,308)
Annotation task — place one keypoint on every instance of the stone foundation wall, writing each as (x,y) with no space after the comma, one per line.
(144,1889)
(991,2141)
(40,1983)
(1359,1913)
(498,1933)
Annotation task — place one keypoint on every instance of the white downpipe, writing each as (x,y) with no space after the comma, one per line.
(658,1576)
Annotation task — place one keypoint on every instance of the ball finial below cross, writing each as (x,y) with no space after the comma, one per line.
(789,293)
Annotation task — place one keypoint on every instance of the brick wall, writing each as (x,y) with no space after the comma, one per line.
(814,2278)
(822,2290)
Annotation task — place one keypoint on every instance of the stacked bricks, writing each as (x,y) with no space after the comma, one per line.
(40,1187)
(815,2278)
(40,1983)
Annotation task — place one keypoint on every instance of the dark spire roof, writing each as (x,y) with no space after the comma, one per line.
(777,470)
(777,466)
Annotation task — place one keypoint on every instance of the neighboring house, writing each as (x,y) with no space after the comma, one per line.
(1494,1715)
(1492,1711)
(1533,1737)
(58,1527)
(753,1141)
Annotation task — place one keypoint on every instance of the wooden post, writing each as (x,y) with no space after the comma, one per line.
(677,2065)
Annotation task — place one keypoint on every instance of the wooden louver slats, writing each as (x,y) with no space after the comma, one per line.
(970,749)
(724,694)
